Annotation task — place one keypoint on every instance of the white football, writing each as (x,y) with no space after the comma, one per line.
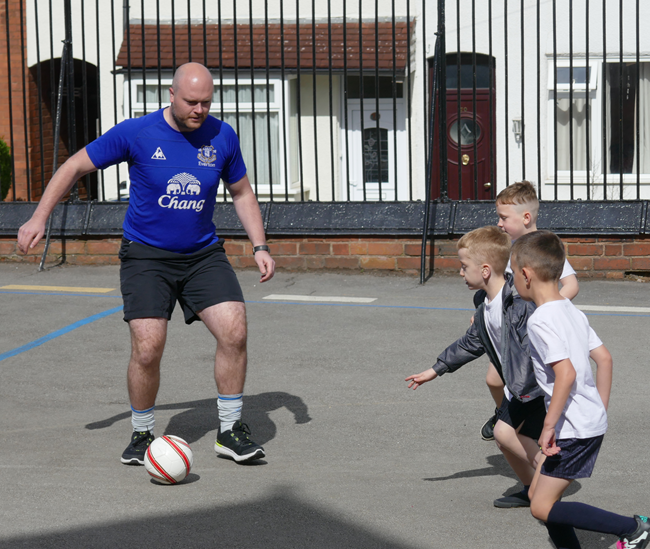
(168,459)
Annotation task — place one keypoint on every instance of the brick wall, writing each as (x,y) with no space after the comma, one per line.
(18,48)
(605,257)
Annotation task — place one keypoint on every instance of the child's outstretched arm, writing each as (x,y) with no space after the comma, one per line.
(565,376)
(604,367)
(464,350)
(570,287)
(423,377)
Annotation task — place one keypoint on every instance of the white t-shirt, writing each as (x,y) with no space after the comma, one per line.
(558,330)
(566,271)
(493,314)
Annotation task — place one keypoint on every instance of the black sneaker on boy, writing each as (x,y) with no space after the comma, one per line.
(487,431)
(236,444)
(134,453)
(520,499)
(640,538)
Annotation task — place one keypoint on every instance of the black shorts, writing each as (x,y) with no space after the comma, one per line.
(152,280)
(576,459)
(531,414)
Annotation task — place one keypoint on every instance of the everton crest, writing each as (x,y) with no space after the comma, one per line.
(207,155)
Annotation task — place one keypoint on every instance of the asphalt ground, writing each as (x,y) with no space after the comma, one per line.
(354,458)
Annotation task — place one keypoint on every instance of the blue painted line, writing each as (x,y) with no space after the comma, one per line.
(58,333)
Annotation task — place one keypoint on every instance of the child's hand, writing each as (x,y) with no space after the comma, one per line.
(547,442)
(419,379)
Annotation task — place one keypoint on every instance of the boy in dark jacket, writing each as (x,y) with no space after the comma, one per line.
(499,330)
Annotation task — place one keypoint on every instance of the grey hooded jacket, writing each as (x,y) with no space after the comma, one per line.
(515,366)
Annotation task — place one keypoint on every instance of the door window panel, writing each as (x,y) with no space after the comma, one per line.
(375,155)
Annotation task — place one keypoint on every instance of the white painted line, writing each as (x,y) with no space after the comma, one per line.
(608,309)
(320,298)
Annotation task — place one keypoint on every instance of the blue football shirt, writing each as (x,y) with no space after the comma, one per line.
(174,178)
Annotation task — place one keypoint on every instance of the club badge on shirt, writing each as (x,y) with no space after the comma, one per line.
(207,155)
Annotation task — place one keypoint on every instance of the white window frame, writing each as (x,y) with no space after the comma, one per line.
(276,106)
(579,90)
(596,92)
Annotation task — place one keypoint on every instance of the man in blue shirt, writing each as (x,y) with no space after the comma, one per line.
(170,251)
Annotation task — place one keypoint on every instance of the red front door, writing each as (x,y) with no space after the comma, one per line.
(471,164)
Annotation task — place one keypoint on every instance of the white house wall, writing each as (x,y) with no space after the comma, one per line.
(111,28)
(532,92)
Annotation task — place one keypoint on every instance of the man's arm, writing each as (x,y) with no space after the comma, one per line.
(248,211)
(63,180)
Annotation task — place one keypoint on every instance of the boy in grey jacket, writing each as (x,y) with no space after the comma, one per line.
(498,330)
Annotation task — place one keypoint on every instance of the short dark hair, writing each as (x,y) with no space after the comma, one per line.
(543,252)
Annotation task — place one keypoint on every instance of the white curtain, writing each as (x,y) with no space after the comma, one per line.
(152,94)
(267,170)
(579,132)
(257,156)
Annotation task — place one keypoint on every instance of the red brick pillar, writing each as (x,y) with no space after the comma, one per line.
(13,55)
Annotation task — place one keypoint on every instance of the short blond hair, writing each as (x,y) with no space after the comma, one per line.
(543,252)
(488,245)
(521,193)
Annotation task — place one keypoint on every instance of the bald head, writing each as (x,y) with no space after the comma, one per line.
(192,75)
(190,97)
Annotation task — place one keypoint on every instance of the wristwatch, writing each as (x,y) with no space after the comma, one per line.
(260,248)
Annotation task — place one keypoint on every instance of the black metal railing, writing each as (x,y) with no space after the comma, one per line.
(329,103)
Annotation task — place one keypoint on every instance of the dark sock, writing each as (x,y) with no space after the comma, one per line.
(586,517)
(563,536)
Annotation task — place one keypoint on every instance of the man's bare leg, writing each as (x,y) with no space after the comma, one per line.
(148,336)
(227,322)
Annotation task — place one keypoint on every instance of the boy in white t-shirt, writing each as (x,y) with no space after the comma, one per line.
(517,207)
(561,343)
(499,330)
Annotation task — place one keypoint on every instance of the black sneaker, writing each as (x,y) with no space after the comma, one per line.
(487,431)
(236,444)
(520,499)
(640,538)
(134,453)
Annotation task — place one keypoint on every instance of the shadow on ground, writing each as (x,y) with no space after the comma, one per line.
(280,521)
(199,417)
(497,465)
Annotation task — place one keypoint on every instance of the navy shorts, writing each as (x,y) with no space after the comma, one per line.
(531,414)
(575,460)
(152,280)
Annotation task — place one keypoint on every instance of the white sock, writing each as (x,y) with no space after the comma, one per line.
(229,410)
(142,420)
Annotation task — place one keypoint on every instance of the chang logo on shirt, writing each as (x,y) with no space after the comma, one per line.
(207,156)
(180,186)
